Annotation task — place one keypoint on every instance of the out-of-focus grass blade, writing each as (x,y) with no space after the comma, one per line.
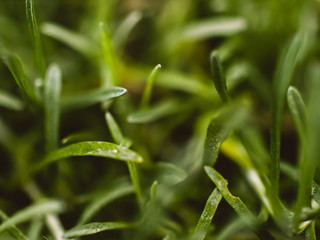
(161,110)
(91,148)
(311,232)
(13,229)
(118,137)
(11,102)
(214,27)
(109,56)
(219,129)
(124,29)
(74,40)
(118,190)
(218,76)
(37,209)
(150,81)
(15,66)
(236,203)
(51,100)
(36,40)
(283,76)
(169,174)
(230,229)
(298,110)
(35,228)
(207,214)
(95,227)
(91,98)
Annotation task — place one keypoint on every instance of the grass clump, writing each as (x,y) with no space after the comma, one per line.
(212,108)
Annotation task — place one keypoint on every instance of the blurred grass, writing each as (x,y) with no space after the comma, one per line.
(68,67)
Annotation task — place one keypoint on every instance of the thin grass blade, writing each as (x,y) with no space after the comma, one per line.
(118,190)
(11,102)
(15,232)
(218,76)
(283,76)
(311,232)
(91,98)
(36,40)
(207,214)
(95,227)
(114,128)
(15,66)
(109,57)
(74,40)
(150,82)
(51,100)
(37,209)
(236,203)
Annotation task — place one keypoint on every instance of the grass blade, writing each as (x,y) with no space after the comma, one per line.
(169,174)
(116,191)
(91,148)
(114,128)
(236,203)
(74,40)
(109,57)
(218,76)
(36,40)
(95,227)
(283,76)
(310,232)
(298,111)
(91,98)
(207,214)
(147,91)
(13,229)
(51,99)
(37,209)
(15,66)
(11,102)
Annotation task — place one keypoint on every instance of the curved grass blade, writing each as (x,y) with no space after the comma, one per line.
(74,40)
(15,66)
(283,76)
(218,76)
(95,227)
(13,229)
(169,174)
(11,102)
(207,214)
(51,100)
(298,111)
(91,98)
(159,111)
(118,190)
(37,209)
(36,40)
(109,56)
(91,148)
(147,91)
(236,203)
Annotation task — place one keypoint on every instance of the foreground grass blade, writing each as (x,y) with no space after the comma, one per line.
(74,40)
(118,190)
(150,81)
(13,229)
(15,66)
(36,40)
(283,76)
(91,148)
(37,209)
(236,203)
(218,76)
(91,98)
(207,214)
(95,227)
(51,99)
(11,102)
(109,56)
(298,111)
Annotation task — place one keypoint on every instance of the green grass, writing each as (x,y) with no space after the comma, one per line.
(172,120)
